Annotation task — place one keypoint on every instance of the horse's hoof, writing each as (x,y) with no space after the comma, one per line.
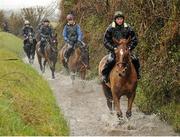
(128,114)
(119,115)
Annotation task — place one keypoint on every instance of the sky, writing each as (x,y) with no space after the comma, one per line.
(16,4)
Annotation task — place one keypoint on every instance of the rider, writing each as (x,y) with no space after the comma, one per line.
(26,30)
(72,35)
(118,28)
(5,26)
(45,34)
(38,30)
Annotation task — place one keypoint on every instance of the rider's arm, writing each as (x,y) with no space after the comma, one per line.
(134,39)
(65,33)
(108,39)
(24,33)
(79,32)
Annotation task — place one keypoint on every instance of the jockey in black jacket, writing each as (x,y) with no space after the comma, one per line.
(26,30)
(118,29)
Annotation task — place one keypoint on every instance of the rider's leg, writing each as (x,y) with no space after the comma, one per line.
(108,66)
(68,52)
(42,45)
(136,62)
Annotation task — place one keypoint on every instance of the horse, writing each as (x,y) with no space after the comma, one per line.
(29,47)
(75,63)
(122,79)
(49,55)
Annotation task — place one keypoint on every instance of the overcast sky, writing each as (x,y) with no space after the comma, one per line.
(15,4)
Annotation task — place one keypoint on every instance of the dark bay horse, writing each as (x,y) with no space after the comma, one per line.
(75,63)
(123,79)
(29,47)
(49,55)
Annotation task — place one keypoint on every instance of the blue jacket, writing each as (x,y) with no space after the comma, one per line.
(72,33)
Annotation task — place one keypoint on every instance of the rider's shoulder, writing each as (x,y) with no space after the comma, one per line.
(126,25)
(77,25)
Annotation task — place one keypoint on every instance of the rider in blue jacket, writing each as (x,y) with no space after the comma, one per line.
(72,35)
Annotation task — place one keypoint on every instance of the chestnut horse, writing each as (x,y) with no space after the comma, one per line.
(49,55)
(122,79)
(75,63)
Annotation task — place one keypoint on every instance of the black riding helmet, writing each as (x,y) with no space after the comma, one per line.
(46,20)
(118,14)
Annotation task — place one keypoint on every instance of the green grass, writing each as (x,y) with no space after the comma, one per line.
(169,112)
(27,104)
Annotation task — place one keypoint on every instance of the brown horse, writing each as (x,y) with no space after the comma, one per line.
(75,63)
(49,55)
(123,79)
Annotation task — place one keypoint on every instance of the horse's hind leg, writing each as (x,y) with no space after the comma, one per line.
(44,66)
(53,70)
(83,74)
(130,101)
(108,95)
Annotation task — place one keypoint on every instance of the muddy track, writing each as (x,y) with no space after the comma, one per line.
(87,114)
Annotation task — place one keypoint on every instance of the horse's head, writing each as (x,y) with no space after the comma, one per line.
(122,56)
(54,42)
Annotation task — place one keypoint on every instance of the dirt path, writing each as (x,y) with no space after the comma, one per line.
(87,113)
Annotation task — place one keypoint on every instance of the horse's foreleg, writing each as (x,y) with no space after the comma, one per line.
(116,100)
(130,102)
(53,70)
(40,62)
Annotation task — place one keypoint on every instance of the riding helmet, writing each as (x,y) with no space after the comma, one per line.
(118,14)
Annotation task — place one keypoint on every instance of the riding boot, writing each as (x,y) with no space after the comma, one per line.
(107,67)
(136,62)
(105,73)
(67,54)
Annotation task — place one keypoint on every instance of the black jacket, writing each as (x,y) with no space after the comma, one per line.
(46,31)
(118,32)
(27,30)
